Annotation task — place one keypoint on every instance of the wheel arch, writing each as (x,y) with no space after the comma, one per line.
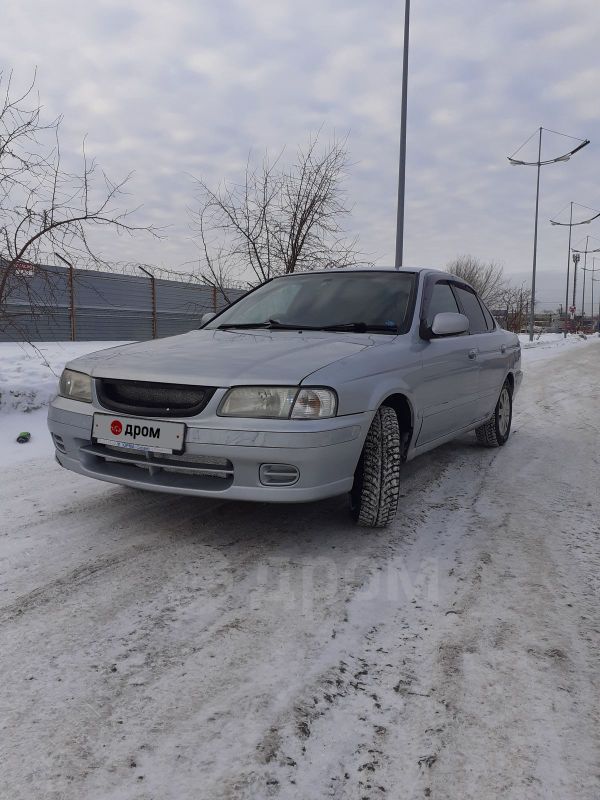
(406,417)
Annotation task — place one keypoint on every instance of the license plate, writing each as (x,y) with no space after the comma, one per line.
(133,433)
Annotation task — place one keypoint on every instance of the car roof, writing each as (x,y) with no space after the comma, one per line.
(414,270)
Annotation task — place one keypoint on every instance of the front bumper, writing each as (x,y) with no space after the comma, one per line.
(324,453)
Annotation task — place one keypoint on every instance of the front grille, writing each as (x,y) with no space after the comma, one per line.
(144,398)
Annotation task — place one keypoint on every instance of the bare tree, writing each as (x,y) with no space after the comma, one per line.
(514,305)
(45,207)
(279,219)
(510,303)
(487,278)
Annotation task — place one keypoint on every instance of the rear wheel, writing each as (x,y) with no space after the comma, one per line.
(495,432)
(374,495)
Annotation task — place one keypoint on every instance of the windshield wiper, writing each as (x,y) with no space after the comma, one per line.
(355,327)
(267,324)
(228,325)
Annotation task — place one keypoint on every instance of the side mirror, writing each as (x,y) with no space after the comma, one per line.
(206,317)
(449,323)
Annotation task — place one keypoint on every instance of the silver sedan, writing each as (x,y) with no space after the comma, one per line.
(313,385)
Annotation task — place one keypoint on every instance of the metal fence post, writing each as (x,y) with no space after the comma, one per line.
(71,296)
(153,290)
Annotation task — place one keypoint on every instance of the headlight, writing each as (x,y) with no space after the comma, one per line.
(75,385)
(258,401)
(278,402)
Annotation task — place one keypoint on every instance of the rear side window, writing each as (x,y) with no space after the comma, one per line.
(472,309)
(442,299)
(488,317)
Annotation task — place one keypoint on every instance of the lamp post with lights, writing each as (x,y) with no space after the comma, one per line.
(594,280)
(576,259)
(570,224)
(539,163)
(585,270)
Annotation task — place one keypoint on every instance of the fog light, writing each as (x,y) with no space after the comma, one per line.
(278,474)
(58,443)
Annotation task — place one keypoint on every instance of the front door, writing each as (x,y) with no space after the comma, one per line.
(449,390)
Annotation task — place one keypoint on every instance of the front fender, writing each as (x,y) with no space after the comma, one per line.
(364,381)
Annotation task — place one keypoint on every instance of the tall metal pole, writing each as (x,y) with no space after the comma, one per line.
(593,262)
(402,164)
(535,237)
(576,258)
(584,277)
(568,272)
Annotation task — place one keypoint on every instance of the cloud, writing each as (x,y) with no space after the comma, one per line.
(175,88)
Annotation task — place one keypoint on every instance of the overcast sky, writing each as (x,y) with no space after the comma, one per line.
(169,89)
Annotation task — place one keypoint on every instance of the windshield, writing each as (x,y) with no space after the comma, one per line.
(358,301)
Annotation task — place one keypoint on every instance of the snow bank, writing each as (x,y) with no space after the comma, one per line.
(28,381)
(548,345)
(29,373)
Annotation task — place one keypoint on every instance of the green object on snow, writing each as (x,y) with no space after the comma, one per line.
(23,437)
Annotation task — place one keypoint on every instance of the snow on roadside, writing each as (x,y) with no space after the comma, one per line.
(29,373)
(28,381)
(548,345)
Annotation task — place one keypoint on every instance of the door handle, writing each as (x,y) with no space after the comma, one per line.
(472,353)
(503,349)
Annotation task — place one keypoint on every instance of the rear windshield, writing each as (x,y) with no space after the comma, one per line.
(377,300)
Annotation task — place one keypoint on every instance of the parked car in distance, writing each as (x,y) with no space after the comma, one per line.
(313,385)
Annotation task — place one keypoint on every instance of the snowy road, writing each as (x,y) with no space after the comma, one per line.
(163,648)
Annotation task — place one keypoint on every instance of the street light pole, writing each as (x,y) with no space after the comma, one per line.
(535,237)
(593,270)
(568,272)
(539,163)
(595,280)
(576,258)
(572,225)
(402,162)
(584,276)
(585,267)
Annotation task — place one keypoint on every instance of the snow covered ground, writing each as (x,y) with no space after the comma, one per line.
(545,345)
(28,380)
(156,647)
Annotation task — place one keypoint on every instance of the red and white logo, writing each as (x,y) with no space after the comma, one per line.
(116,427)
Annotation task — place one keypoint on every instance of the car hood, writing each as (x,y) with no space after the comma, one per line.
(227,358)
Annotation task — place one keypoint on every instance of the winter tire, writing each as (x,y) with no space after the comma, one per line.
(495,432)
(374,495)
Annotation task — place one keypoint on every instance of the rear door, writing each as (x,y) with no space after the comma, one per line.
(449,390)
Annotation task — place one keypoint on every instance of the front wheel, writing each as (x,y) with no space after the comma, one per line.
(495,432)
(374,495)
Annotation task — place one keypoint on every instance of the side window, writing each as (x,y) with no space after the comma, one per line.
(472,309)
(442,299)
(488,317)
